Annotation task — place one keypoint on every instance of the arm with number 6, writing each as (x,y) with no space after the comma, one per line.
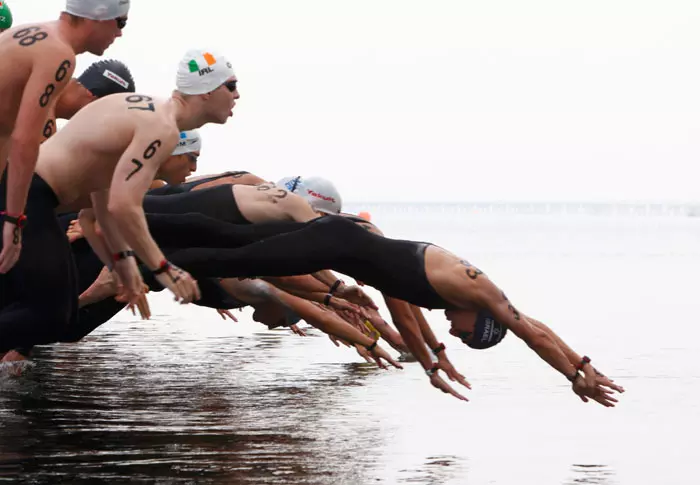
(132,177)
(46,82)
(53,67)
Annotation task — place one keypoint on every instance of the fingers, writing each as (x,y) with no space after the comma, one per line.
(462,380)
(607,382)
(378,360)
(437,381)
(223,313)
(390,360)
(363,353)
(184,287)
(141,303)
(144,307)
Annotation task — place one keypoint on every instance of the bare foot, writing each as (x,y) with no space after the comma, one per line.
(103,287)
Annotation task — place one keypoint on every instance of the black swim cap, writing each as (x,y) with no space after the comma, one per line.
(487,331)
(107,77)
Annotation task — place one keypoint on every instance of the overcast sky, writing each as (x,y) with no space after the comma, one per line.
(442,100)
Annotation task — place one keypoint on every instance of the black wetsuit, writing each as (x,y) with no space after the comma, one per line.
(216,202)
(394,267)
(92,316)
(39,295)
(188,186)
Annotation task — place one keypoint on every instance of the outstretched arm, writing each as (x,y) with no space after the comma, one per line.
(410,331)
(438,349)
(477,288)
(52,69)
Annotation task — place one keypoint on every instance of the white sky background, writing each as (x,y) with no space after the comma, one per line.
(442,100)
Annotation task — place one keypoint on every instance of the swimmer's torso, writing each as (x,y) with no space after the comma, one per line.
(81,157)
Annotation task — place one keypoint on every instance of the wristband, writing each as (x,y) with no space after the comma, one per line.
(373,346)
(438,349)
(335,286)
(327,299)
(122,255)
(584,361)
(162,267)
(432,371)
(19,221)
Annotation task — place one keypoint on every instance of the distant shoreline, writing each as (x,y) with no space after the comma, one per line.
(570,208)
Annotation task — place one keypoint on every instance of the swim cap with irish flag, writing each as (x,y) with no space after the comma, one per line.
(202,71)
(5,16)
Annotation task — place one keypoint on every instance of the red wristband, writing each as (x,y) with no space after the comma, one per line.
(162,267)
(439,348)
(584,361)
(19,221)
(122,255)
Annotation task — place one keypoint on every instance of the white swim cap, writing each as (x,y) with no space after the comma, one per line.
(98,9)
(320,193)
(289,183)
(201,72)
(190,141)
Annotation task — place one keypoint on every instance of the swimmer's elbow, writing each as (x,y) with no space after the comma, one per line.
(122,211)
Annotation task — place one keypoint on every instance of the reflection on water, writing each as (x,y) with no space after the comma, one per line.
(436,471)
(81,415)
(592,474)
(188,398)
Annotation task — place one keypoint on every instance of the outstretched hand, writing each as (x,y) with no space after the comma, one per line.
(225,313)
(439,383)
(356,295)
(379,353)
(444,364)
(602,392)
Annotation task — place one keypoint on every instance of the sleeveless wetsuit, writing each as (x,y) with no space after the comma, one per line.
(90,317)
(394,267)
(39,295)
(188,186)
(216,202)
(88,267)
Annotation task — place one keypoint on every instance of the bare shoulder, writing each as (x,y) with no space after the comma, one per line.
(150,115)
(36,39)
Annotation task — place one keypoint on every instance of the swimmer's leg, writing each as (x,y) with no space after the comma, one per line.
(331,242)
(196,230)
